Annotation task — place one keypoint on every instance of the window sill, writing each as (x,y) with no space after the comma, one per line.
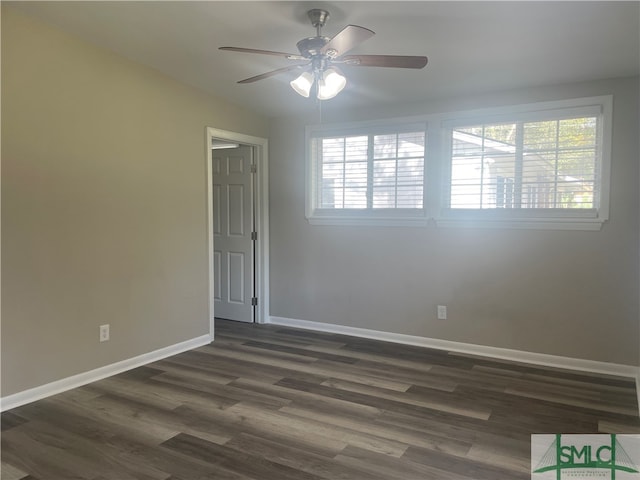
(525,224)
(370,220)
(579,224)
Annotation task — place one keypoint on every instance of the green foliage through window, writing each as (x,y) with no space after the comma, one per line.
(549,164)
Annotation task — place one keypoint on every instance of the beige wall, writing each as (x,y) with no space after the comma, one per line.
(103,205)
(556,292)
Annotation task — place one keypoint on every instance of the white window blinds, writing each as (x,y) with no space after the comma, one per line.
(540,164)
(370,171)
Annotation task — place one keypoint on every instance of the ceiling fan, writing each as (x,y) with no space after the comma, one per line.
(321,55)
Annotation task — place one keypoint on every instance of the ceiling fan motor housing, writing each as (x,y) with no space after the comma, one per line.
(311,46)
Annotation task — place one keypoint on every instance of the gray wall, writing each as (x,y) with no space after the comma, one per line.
(570,293)
(103,205)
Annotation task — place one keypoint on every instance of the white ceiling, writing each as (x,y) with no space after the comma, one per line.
(472,47)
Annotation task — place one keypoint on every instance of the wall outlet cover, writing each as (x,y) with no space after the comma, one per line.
(104,333)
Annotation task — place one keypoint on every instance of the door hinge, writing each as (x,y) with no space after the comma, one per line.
(254,235)
(253,168)
(254,301)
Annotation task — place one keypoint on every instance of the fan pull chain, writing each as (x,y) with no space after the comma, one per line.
(318,101)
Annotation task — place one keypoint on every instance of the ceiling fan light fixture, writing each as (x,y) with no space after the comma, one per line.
(302,85)
(330,83)
(321,52)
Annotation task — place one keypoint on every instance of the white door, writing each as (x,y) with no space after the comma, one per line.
(232,233)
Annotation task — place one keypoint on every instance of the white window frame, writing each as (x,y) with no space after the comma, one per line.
(563,219)
(361,216)
(435,211)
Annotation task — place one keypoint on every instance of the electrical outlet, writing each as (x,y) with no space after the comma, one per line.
(104,333)
(442,312)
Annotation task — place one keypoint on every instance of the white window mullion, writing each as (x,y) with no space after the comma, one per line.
(517,180)
(344,173)
(370,167)
(436,192)
(556,157)
(483,154)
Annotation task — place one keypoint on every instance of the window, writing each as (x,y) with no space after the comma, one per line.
(368,176)
(543,165)
(531,165)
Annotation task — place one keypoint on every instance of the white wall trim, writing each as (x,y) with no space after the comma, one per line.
(261,157)
(533,358)
(62,385)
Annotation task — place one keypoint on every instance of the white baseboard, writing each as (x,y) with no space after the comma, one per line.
(541,359)
(59,386)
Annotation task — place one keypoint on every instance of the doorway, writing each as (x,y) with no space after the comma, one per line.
(237,218)
(234,234)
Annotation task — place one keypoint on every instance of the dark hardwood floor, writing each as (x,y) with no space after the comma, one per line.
(268,402)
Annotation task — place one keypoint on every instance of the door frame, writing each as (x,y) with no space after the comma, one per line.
(261,271)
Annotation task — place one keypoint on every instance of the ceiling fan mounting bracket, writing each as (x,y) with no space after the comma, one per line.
(331,53)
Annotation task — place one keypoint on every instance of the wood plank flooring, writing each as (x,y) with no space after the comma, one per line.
(266,402)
